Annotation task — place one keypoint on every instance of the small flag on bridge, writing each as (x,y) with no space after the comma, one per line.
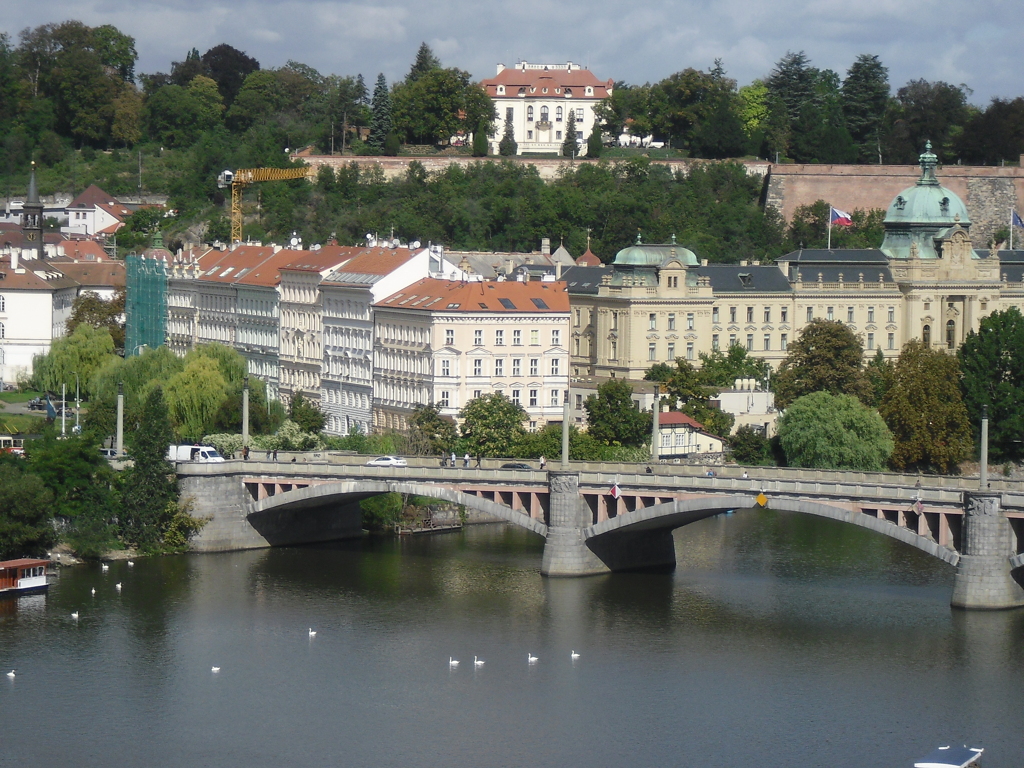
(615,492)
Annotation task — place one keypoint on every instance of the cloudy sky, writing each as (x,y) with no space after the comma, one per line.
(977,43)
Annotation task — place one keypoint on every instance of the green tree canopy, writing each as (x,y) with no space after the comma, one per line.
(492,425)
(686,391)
(721,369)
(149,490)
(307,415)
(381,120)
(508,147)
(826,431)
(925,412)
(826,358)
(26,517)
(424,63)
(435,433)
(194,396)
(440,104)
(90,309)
(613,418)
(83,352)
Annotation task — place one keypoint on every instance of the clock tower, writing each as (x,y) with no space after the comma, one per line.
(32,221)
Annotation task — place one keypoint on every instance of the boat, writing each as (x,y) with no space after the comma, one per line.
(952,757)
(22,577)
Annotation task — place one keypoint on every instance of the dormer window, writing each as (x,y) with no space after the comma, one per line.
(590,91)
(746,279)
(558,90)
(501,90)
(522,91)
(543,90)
(568,93)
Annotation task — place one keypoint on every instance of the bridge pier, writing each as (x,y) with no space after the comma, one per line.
(565,551)
(984,579)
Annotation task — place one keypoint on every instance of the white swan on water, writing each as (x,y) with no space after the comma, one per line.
(104,567)
(118,585)
(530,658)
(215,669)
(477,662)
(312,632)
(573,655)
(131,564)
(94,591)
(11,674)
(452,662)
(74,615)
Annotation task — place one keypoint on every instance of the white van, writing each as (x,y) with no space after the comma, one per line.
(205,454)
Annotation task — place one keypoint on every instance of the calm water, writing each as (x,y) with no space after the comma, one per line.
(779,641)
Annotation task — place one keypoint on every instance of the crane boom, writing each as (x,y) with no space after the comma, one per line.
(245,176)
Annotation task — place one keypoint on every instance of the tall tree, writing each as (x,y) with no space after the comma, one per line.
(508,147)
(26,517)
(826,358)
(865,97)
(570,147)
(492,425)
(992,366)
(149,490)
(925,412)
(435,433)
(613,418)
(425,62)
(307,415)
(83,352)
(993,134)
(440,104)
(228,67)
(721,369)
(686,392)
(793,83)
(925,111)
(194,397)
(90,309)
(595,144)
(380,109)
(826,431)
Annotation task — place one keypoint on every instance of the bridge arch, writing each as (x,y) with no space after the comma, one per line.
(680,512)
(323,494)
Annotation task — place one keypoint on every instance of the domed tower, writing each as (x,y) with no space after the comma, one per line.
(922,217)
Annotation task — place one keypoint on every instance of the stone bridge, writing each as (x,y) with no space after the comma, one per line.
(589,530)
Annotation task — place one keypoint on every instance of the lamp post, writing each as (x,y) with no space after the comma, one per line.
(245,412)
(63,407)
(655,422)
(120,418)
(78,406)
(135,351)
(565,430)
(984,447)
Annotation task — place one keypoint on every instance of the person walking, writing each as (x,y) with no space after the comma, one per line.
(275,454)
(465,461)
(543,462)
(453,460)
(245,452)
(479,459)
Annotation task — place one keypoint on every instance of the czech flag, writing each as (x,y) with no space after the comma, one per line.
(840,218)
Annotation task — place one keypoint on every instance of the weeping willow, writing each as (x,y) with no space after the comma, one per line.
(194,395)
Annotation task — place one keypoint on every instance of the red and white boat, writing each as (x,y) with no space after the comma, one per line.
(21,577)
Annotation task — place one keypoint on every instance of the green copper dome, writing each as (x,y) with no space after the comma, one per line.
(920,213)
(650,255)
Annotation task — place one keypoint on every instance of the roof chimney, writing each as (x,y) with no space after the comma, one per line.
(14,258)
(545,246)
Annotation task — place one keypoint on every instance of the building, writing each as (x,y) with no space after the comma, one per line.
(94,212)
(656,303)
(683,437)
(537,98)
(447,342)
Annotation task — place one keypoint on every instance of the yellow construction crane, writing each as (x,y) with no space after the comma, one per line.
(239,179)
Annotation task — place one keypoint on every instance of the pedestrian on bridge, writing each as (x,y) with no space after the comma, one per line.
(543,462)
(454,460)
(465,461)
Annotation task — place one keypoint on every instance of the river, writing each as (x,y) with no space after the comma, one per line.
(779,640)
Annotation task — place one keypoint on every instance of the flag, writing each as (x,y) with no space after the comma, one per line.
(1016,220)
(840,218)
(615,492)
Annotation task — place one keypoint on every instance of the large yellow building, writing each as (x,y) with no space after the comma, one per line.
(657,303)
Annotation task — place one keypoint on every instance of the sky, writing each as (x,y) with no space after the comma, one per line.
(976,44)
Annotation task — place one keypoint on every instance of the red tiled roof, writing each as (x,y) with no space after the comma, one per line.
(588,259)
(25,278)
(329,257)
(675,418)
(95,274)
(373,261)
(434,295)
(83,249)
(551,78)
(267,272)
(90,197)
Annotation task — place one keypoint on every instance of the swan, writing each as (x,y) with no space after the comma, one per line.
(530,658)
(74,615)
(131,564)
(104,567)
(118,585)
(312,632)
(215,669)
(94,591)
(573,655)
(452,662)
(11,674)
(477,662)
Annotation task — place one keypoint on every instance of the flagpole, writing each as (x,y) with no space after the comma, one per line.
(830,227)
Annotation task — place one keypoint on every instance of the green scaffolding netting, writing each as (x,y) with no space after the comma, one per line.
(145,303)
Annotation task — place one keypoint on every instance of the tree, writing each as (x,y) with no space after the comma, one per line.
(925,412)
(595,146)
(613,418)
(194,396)
(492,425)
(508,147)
(993,134)
(116,50)
(686,392)
(722,133)
(83,352)
(925,111)
(149,490)
(992,368)
(228,67)
(825,431)
(865,98)
(425,62)
(307,415)
(439,105)
(809,228)
(90,309)
(721,369)
(26,519)
(570,147)
(879,372)
(480,141)
(128,112)
(435,432)
(380,110)
(792,81)
(261,96)
(749,446)
(826,358)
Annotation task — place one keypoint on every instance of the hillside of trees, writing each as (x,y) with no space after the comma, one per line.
(72,100)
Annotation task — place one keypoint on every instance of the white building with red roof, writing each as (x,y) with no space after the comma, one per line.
(682,436)
(537,98)
(450,341)
(94,212)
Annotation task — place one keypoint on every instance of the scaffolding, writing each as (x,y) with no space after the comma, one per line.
(145,305)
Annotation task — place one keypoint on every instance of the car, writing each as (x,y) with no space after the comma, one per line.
(516,465)
(387,461)
(108,453)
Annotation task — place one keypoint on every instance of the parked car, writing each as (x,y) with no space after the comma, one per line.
(516,465)
(387,461)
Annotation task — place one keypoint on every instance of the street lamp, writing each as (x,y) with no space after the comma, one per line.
(655,422)
(135,351)
(78,406)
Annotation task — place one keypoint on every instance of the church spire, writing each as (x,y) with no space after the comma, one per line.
(32,220)
(33,188)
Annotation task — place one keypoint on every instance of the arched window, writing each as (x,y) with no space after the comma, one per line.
(558,114)
(544,114)
(926,335)
(950,334)
(1,330)
(529,113)
(3,304)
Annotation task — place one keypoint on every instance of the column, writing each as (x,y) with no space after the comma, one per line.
(983,578)
(565,551)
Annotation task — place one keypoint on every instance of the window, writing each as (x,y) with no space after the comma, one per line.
(555,366)
(652,351)
(849,314)
(871,314)
(533,398)
(926,335)
(558,134)
(576,318)
(672,321)
(950,334)
(478,338)
(579,114)
(478,367)
(554,398)
(750,314)
(576,346)
(517,366)
(784,342)
(1,330)
(652,322)
(544,114)
(499,366)
(534,366)
(444,401)
(689,350)
(449,337)
(517,338)
(509,111)
(614,353)
(499,338)
(558,114)
(3,304)
(927,305)
(714,314)
(767,314)
(750,342)
(615,321)
(892,341)
(535,338)
(714,341)
(732,339)
(529,134)
(732,314)
(829,314)
(529,113)
(784,314)
(446,367)
(892,314)
(767,342)
(673,281)
(556,338)
(671,351)
(515,397)
(871,341)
